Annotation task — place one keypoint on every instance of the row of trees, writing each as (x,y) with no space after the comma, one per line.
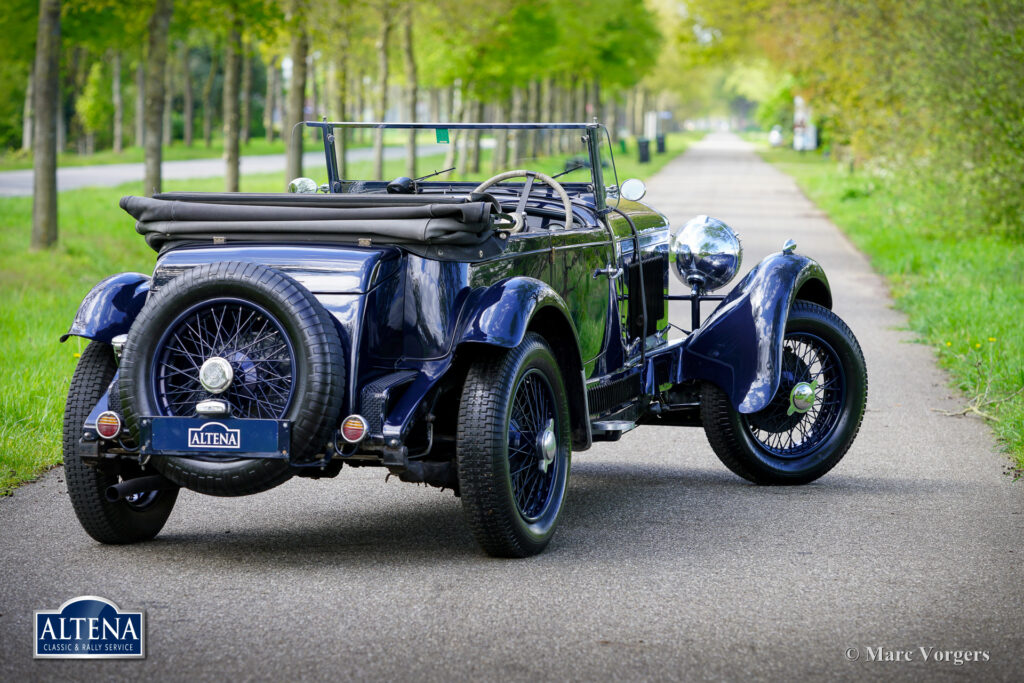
(255,67)
(931,89)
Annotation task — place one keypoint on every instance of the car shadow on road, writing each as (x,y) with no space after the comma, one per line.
(613,508)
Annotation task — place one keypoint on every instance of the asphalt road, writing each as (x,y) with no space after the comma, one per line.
(666,566)
(19,183)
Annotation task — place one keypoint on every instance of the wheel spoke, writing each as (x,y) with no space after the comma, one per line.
(253,343)
(806,358)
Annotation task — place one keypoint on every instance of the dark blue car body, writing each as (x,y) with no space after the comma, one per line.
(405,318)
(470,336)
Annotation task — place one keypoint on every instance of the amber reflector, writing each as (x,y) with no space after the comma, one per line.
(353,429)
(108,424)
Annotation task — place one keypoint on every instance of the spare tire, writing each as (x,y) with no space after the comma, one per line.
(286,363)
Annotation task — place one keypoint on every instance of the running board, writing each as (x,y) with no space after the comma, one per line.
(611,430)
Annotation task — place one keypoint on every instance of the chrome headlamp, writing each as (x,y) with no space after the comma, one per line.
(706,253)
(302,186)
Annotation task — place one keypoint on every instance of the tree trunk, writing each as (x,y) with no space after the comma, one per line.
(638,112)
(474,158)
(26,113)
(269,100)
(62,121)
(340,100)
(359,106)
(382,83)
(580,97)
(156,63)
(44,163)
(518,136)
(169,99)
(465,113)
(453,139)
(564,108)
(280,103)
(118,102)
(296,92)
(314,134)
(208,100)
(232,68)
(611,115)
(533,115)
(435,105)
(140,104)
(629,106)
(245,124)
(188,106)
(500,159)
(412,87)
(76,74)
(547,114)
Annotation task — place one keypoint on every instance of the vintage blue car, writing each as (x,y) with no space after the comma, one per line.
(468,335)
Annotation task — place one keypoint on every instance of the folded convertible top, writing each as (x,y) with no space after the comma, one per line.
(463,224)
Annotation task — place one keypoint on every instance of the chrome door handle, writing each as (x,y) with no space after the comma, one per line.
(611,272)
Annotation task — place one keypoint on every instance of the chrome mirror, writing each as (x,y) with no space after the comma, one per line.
(633,189)
(303,186)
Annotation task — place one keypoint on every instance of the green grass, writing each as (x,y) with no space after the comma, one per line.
(40,292)
(11,161)
(962,289)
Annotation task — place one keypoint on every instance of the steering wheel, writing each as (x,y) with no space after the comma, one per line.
(520,212)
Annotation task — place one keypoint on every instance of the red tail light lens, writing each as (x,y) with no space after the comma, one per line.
(354,428)
(108,424)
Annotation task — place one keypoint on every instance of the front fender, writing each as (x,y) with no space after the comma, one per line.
(500,314)
(110,307)
(739,347)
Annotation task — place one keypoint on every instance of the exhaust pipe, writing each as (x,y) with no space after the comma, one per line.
(130,487)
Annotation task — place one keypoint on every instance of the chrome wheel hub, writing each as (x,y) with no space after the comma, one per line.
(802,396)
(216,375)
(547,446)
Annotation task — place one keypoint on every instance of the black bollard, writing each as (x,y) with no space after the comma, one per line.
(643,147)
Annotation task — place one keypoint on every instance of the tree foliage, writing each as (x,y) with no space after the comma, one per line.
(931,88)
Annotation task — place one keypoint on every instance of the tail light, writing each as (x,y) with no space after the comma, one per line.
(354,428)
(108,424)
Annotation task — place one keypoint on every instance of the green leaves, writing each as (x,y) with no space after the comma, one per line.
(932,90)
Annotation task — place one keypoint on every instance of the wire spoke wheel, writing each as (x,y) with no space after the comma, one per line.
(812,420)
(787,433)
(514,448)
(532,471)
(250,339)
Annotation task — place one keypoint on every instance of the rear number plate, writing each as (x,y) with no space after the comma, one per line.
(227,436)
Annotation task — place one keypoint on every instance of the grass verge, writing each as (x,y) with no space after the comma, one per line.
(40,292)
(12,161)
(962,289)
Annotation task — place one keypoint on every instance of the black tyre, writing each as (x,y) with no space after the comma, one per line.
(137,518)
(816,412)
(514,448)
(286,363)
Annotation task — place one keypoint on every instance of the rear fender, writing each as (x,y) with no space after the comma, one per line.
(110,307)
(739,347)
(503,313)
(500,315)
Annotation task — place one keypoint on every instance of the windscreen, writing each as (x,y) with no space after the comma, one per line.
(368,153)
